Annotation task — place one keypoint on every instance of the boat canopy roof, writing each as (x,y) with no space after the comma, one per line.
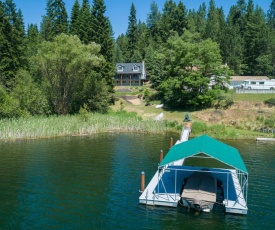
(209,146)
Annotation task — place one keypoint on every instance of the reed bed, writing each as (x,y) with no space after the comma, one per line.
(56,126)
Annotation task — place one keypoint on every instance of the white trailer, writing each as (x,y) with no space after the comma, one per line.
(259,84)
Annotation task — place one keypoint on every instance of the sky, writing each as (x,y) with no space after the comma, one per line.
(118,11)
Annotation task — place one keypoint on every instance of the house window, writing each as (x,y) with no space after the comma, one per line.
(120,68)
(135,68)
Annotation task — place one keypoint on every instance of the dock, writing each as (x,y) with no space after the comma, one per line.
(265,139)
(166,186)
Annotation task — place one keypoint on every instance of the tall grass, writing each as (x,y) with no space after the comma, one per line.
(55,126)
(218,131)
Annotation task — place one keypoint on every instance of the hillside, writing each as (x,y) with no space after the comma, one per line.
(247,117)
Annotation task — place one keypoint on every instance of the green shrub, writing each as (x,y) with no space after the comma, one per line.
(270,122)
(84,113)
(199,127)
(270,102)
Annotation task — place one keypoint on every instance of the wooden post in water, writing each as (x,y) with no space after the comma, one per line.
(142,181)
(171,142)
(161,156)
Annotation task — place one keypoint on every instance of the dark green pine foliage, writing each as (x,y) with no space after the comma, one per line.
(33,39)
(101,33)
(121,48)
(6,64)
(191,21)
(132,33)
(239,14)
(55,21)
(46,26)
(234,40)
(60,17)
(12,44)
(271,15)
(73,26)
(200,19)
(265,49)
(196,21)
(118,55)
(83,22)
(254,37)
(249,33)
(271,36)
(153,24)
(212,29)
(221,38)
(142,41)
(168,20)
(179,23)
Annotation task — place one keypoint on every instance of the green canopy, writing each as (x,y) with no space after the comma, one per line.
(209,146)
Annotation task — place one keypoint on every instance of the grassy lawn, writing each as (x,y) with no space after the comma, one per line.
(253,97)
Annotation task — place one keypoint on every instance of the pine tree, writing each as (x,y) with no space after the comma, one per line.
(6,64)
(74,27)
(153,23)
(101,32)
(180,19)
(254,37)
(121,48)
(55,21)
(84,21)
(142,41)
(212,25)
(12,43)
(201,19)
(196,21)
(271,15)
(132,33)
(239,15)
(192,21)
(167,19)
(234,42)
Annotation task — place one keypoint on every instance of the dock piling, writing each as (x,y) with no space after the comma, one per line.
(142,181)
(171,142)
(161,156)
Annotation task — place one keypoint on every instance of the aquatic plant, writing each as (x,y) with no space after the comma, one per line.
(55,126)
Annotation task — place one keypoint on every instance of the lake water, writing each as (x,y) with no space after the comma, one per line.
(93,183)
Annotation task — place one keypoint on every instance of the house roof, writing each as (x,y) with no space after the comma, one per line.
(243,78)
(128,67)
(209,146)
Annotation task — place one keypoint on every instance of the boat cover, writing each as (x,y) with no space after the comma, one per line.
(201,187)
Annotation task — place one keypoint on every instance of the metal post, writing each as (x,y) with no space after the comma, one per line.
(227,187)
(176,172)
(246,188)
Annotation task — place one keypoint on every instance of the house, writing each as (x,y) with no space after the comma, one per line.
(130,74)
(236,81)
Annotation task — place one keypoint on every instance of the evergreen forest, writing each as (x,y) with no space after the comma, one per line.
(67,63)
